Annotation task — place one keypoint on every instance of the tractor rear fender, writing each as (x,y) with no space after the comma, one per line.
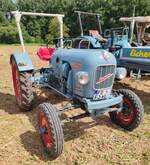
(23,61)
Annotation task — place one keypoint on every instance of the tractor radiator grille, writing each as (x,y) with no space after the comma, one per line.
(104,76)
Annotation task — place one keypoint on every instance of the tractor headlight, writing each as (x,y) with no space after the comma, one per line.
(83,78)
(121,73)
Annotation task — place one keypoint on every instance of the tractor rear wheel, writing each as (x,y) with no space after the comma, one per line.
(132,113)
(22,87)
(50,130)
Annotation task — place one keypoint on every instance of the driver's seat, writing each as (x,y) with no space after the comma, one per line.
(45,53)
(95,33)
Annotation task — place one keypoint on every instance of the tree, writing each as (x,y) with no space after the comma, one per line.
(9,34)
(54,31)
(37,29)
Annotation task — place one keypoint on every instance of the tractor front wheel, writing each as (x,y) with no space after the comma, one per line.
(50,130)
(22,87)
(132,113)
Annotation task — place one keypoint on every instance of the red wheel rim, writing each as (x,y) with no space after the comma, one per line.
(16,83)
(46,132)
(129,116)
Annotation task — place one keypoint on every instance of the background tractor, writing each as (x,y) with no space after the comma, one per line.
(129,44)
(135,55)
(95,39)
(85,77)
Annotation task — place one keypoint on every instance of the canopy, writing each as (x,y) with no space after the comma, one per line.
(139,19)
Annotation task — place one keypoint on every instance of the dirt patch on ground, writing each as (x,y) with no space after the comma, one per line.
(87,141)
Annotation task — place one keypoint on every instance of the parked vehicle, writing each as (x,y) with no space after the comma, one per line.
(135,55)
(85,77)
(130,54)
(96,39)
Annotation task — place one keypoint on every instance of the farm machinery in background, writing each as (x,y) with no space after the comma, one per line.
(134,56)
(84,77)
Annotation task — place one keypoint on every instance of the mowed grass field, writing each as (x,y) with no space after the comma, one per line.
(87,141)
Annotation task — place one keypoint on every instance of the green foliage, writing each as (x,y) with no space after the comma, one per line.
(37,29)
(8,34)
(54,30)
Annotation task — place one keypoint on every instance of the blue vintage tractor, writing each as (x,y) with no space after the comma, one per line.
(85,77)
(96,40)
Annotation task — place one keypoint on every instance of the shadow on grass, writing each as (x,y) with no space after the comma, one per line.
(72,129)
(9,105)
(32,143)
(30,140)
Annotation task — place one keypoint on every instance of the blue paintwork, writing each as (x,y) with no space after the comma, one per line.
(120,40)
(89,59)
(123,42)
(23,61)
(95,43)
(70,83)
(126,53)
(63,64)
(124,57)
(130,60)
(93,106)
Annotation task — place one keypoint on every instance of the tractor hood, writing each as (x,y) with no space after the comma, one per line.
(96,63)
(85,57)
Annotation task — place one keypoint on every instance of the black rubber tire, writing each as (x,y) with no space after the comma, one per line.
(56,129)
(138,110)
(26,90)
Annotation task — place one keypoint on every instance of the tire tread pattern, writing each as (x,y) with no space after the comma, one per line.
(137,105)
(26,91)
(57,133)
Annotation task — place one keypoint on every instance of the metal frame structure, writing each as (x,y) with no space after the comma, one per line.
(18,14)
(134,56)
(144,22)
(91,14)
